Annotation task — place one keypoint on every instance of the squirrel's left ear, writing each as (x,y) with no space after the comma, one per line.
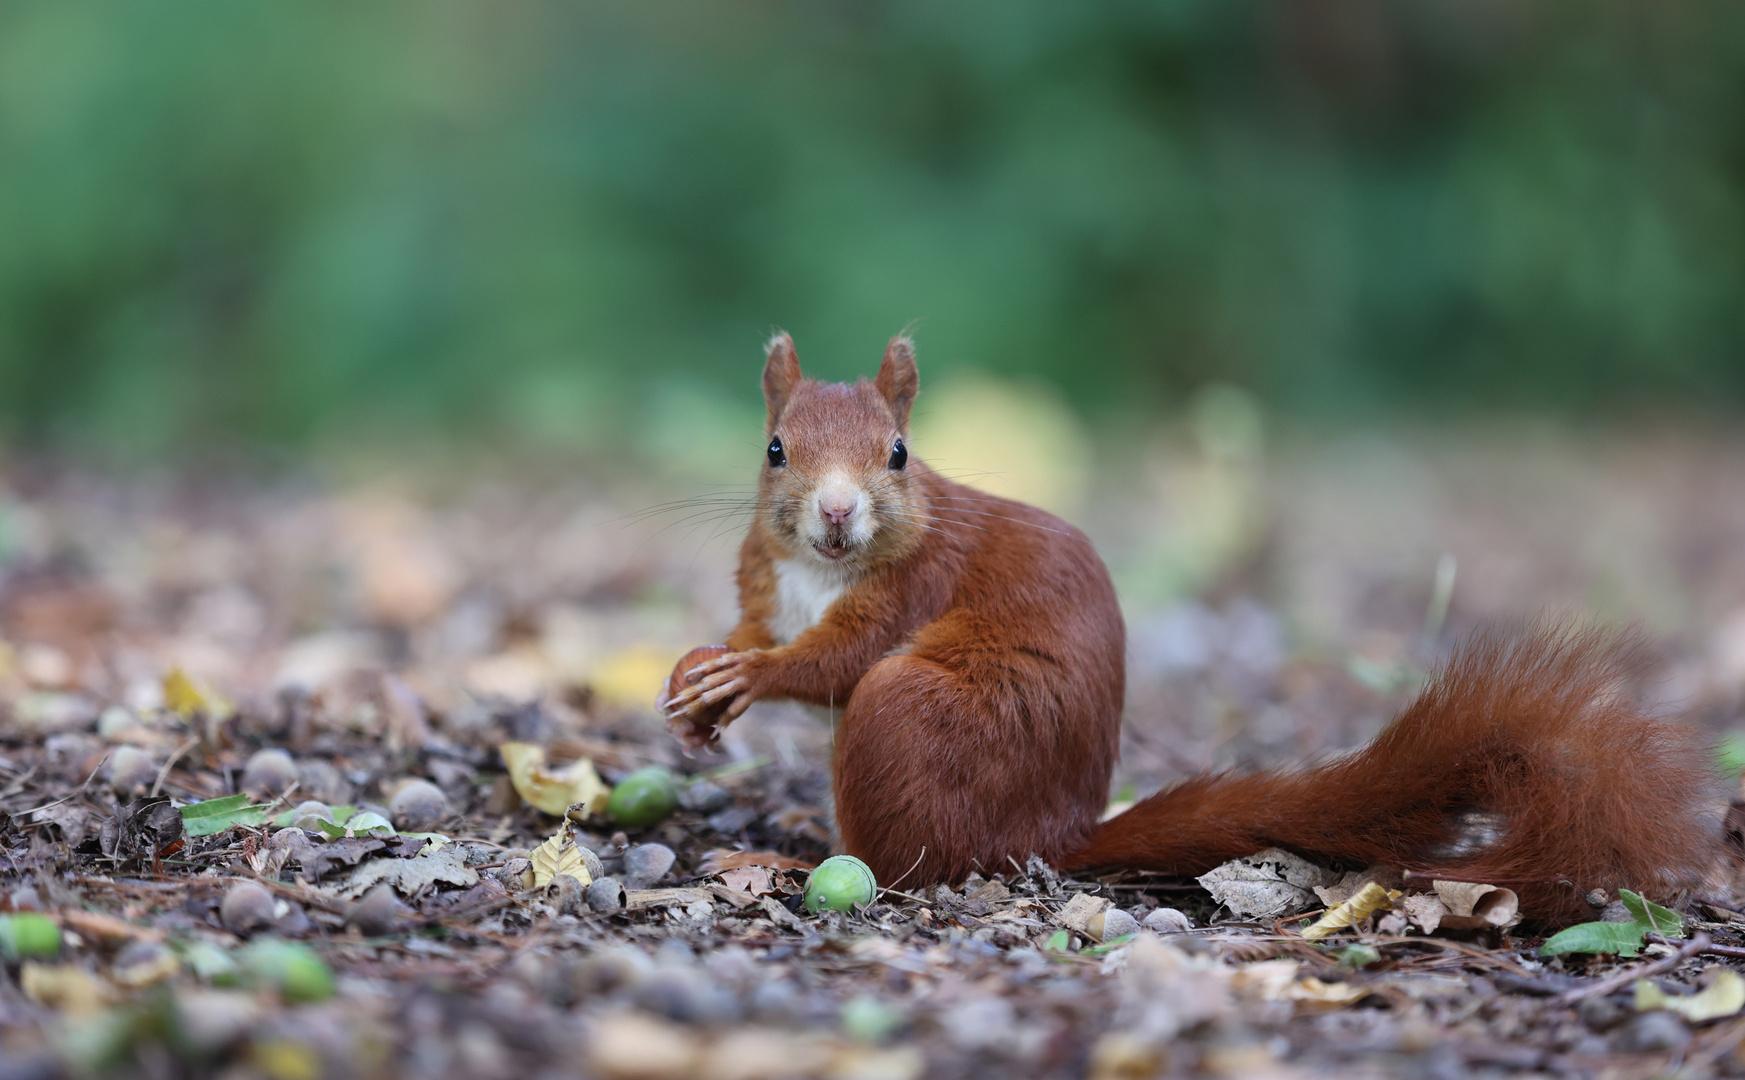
(898,381)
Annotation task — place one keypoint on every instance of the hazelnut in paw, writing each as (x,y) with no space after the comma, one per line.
(695,728)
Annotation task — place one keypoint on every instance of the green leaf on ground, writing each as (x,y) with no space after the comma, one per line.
(216,815)
(1622,938)
(1662,921)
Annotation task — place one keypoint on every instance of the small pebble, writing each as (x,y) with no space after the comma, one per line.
(1652,1033)
(131,768)
(1603,1013)
(317,779)
(417,805)
(605,894)
(115,723)
(646,864)
(270,771)
(247,907)
(378,912)
(703,797)
(310,813)
(1167,920)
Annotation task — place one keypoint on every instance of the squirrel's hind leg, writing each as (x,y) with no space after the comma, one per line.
(939,773)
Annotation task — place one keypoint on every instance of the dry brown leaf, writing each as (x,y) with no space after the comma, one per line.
(1078,912)
(1426,909)
(558,855)
(1472,905)
(410,876)
(1369,899)
(553,791)
(721,859)
(749,879)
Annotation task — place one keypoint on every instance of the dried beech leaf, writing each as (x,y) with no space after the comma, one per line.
(1471,905)
(1079,911)
(553,791)
(558,855)
(1724,996)
(1266,885)
(410,876)
(1426,909)
(1369,900)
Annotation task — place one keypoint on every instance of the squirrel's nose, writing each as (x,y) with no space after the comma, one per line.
(837,511)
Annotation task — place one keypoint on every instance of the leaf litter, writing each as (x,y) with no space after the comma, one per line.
(487,943)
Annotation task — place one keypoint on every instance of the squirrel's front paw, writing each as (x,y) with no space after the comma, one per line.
(710,686)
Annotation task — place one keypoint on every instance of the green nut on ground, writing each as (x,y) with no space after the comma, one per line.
(841,883)
(644,798)
(291,969)
(28,935)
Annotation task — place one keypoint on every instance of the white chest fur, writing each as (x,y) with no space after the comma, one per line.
(804,592)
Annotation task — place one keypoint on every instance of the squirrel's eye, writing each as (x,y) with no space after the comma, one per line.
(777,458)
(899,455)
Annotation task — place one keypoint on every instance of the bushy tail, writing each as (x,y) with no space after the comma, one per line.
(1523,763)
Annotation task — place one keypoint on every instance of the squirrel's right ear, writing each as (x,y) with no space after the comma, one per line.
(898,381)
(781,373)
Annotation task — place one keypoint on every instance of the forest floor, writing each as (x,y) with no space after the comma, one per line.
(390,637)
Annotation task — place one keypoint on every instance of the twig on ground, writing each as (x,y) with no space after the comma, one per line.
(1695,945)
(175,756)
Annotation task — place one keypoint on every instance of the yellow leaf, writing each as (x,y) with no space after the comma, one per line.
(631,678)
(1369,900)
(1313,993)
(64,987)
(186,698)
(558,855)
(553,791)
(1724,996)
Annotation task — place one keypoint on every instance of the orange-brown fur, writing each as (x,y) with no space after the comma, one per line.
(976,651)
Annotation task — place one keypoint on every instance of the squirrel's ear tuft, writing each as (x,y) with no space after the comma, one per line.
(781,373)
(898,381)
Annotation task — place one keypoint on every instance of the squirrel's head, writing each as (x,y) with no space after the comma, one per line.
(838,482)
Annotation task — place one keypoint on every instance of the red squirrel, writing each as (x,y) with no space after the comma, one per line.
(976,650)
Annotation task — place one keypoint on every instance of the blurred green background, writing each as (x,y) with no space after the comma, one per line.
(271,224)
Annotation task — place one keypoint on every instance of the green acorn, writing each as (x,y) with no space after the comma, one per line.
(28,934)
(841,883)
(644,798)
(294,970)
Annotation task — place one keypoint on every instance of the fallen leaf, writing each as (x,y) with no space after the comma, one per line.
(1369,899)
(754,880)
(1624,939)
(63,987)
(1426,909)
(1320,996)
(188,699)
(553,791)
(1266,885)
(558,855)
(409,876)
(1472,905)
(1662,921)
(631,677)
(360,824)
(216,815)
(1723,996)
(721,859)
(1078,912)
